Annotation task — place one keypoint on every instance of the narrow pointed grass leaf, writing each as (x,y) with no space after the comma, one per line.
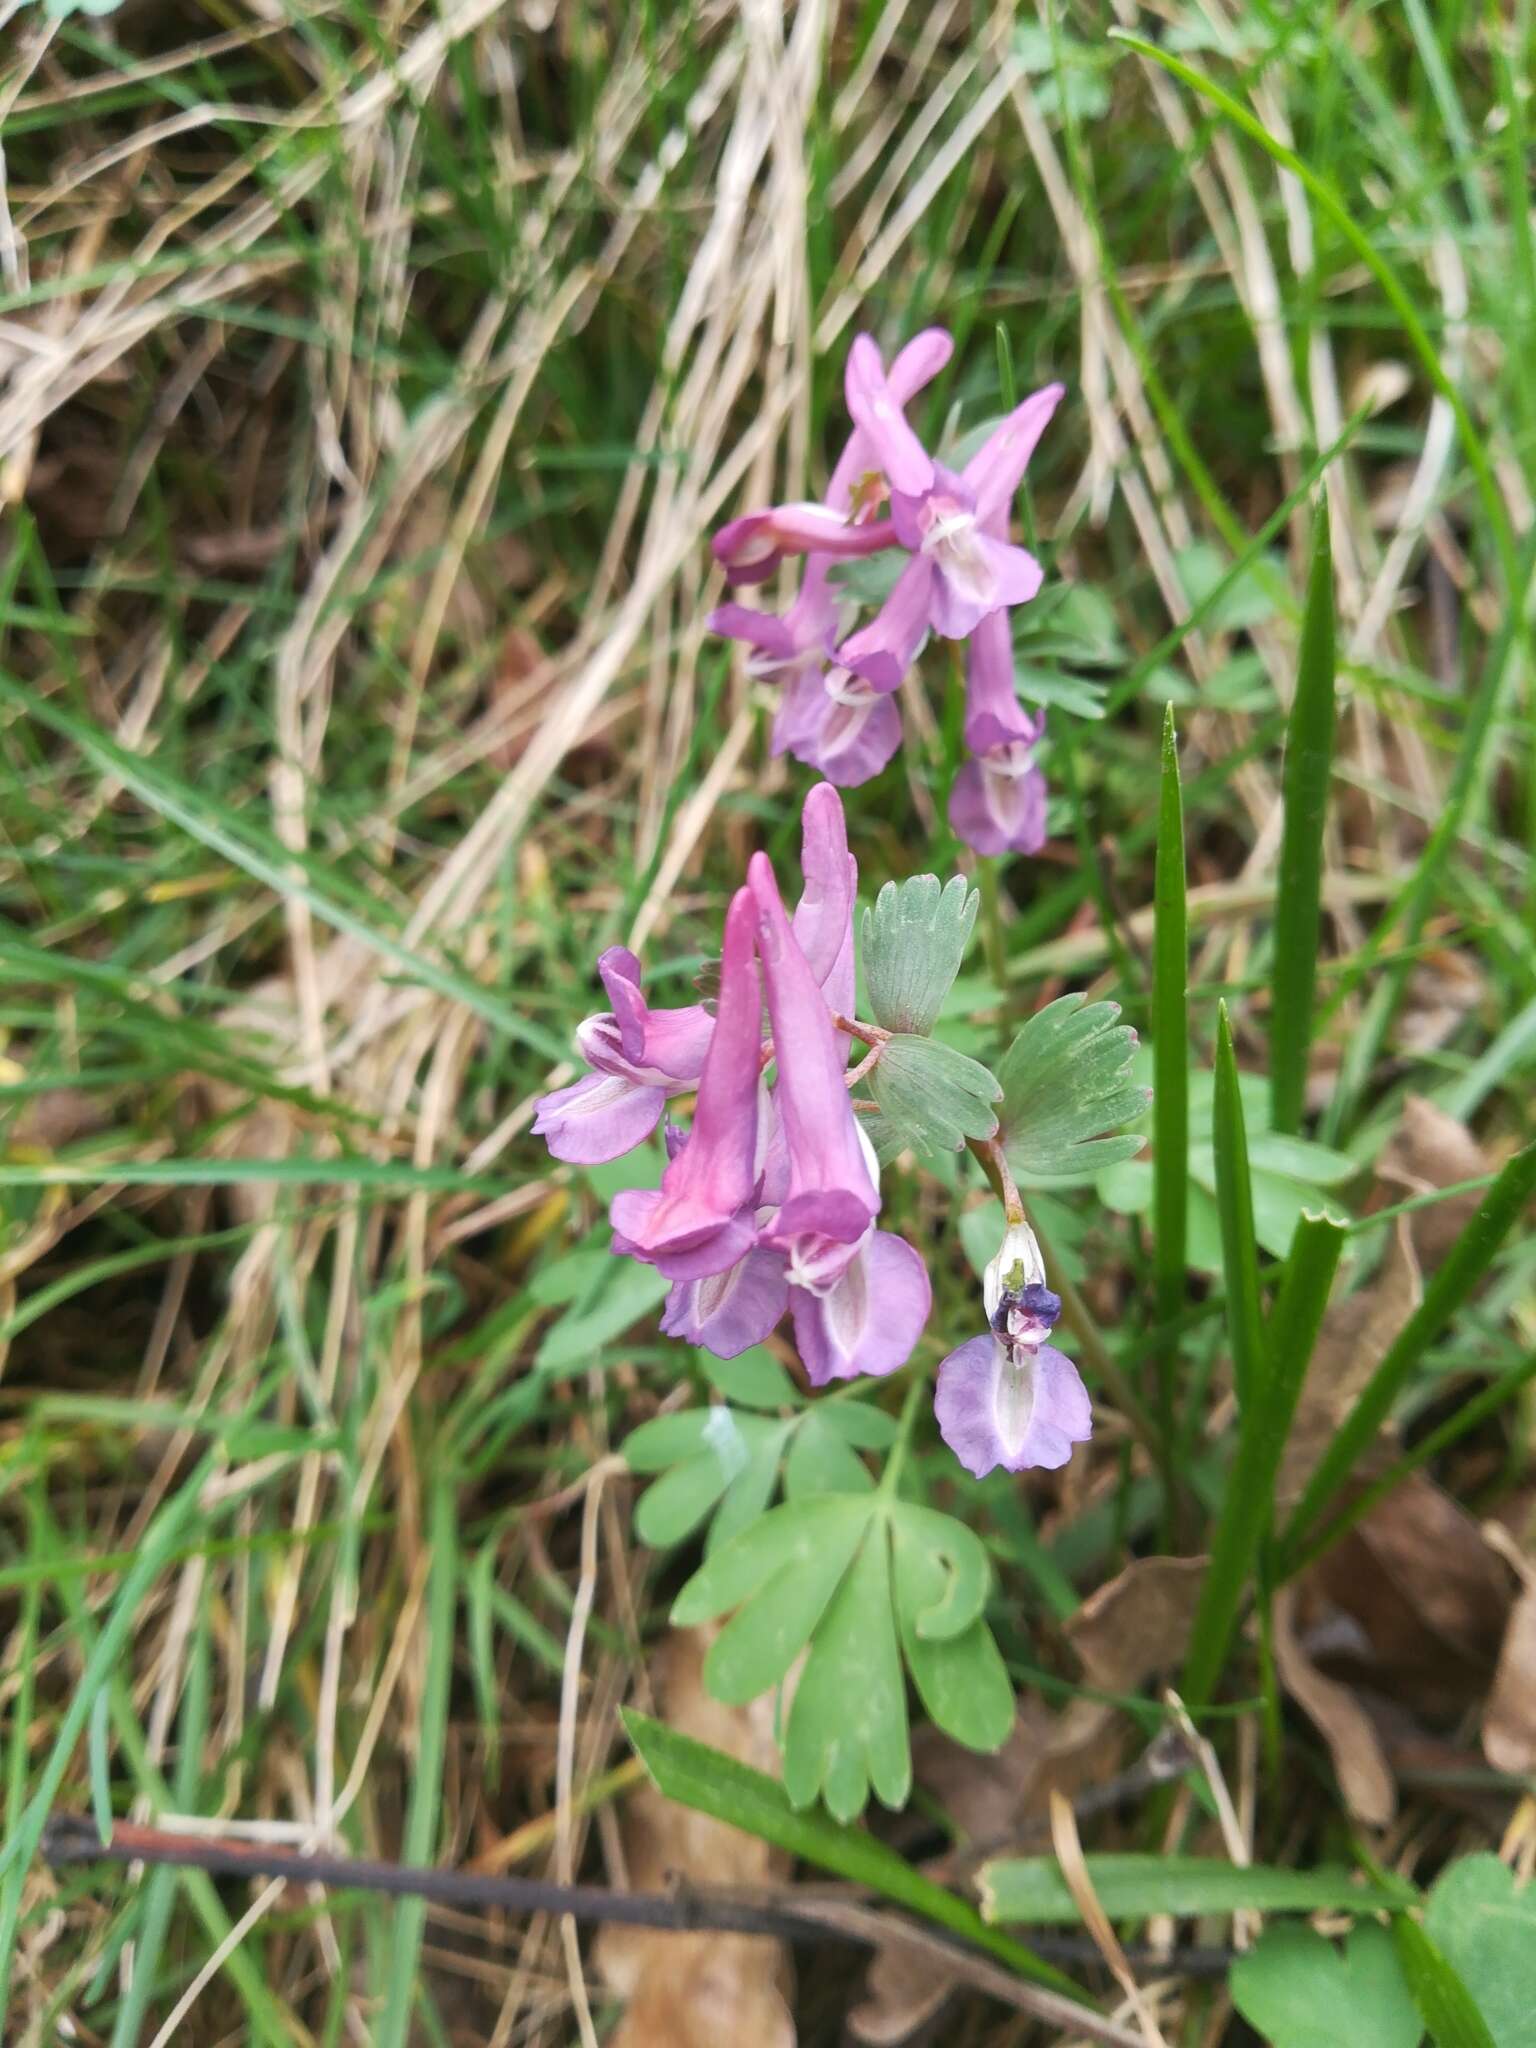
(1170,1067)
(1298,895)
(1031,1890)
(1447,2007)
(425,1803)
(709,1782)
(1263,1425)
(1370,254)
(100,1765)
(1234,1203)
(1469,1259)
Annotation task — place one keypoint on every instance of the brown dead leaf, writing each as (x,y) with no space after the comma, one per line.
(1432,1150)
(1138,1625)
(904,1989)
(1443,989)
(1359,1762)
(1429,1599)
(1509,1719)
(698,1990)
(1351,1344)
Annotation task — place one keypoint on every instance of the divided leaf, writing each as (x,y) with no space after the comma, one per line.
(1067,1083)
(721,1461)
(931,1097)
(913,941)
(858,1582)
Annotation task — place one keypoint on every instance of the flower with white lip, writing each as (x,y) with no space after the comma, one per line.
(1010,1398)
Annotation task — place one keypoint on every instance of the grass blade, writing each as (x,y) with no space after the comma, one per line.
(1031,1889)
(1298,912)
(1330,203)
(702,1778)
(1234,1200)
(1469,1259)
(1446,2006)
(1170,1068)
(1264,1424)
(420,1844)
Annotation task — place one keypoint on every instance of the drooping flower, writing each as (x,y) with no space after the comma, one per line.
(1010,1398)
(639,1056)
(700,1221)
(870,1318)
(997,801)
(830,1199)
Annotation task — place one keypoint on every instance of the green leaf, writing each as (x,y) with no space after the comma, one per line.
(1448,2008)
(913,941)
(754,1379)
(848,1724)
(1297,1990)
(961,1678)
(1066,1081)
(673,1508)
(858,1423)
(820,1461)
(631,1292)
(931,1097)
(709,1782)
(780,1574)
(1234,1203)
(1484,1926)
(1060,691)
(1307,771)
(1248,599)
(948,1564)
(751,1489)
(1468,1260)
(1170,1041)
(666,1440)
(1031,1889)
(1263,1426)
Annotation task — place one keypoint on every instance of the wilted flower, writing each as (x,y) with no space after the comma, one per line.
(1010,1398)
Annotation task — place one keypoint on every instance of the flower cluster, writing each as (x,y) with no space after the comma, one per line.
(768,1201)
(961,576)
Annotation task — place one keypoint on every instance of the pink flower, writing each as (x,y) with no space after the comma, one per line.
(963,568)
(997,802)
(830,1199)
(639,1058)
(700,1220)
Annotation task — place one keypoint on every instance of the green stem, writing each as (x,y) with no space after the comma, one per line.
(904,1428)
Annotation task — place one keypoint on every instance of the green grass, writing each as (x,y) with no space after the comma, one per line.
(358,450)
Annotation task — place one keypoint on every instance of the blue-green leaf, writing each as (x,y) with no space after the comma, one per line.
(913,941)
(1066,1083)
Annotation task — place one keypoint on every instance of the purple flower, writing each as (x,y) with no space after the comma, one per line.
(1009,1398)
(963,567)
(729,1312)
(830,1199)
(870,1318)
(997,802)
(700,1221)
(750,548)
(640,1057)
